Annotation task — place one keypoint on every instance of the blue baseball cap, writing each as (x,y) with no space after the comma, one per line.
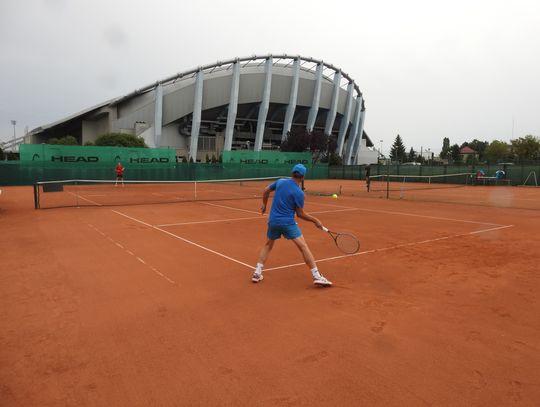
(300,169)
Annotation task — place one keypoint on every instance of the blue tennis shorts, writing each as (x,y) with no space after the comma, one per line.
(289,231)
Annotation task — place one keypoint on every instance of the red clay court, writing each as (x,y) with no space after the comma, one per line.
(152,305)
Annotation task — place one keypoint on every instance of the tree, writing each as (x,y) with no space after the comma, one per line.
(318,145)
(397,152)
(184,159)
(214,159)
(120,140)
(335,159)
(207,158)
(66,141)
(300,140)
(526,148)
(471,159)
(454,154)
(2,156)
(478,146)
(412,155)
(496,150)
(297,141)
(445,152)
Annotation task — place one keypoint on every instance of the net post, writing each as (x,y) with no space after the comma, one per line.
(36,196)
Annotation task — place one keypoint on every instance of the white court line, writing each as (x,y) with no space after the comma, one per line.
(229,207)
(132,254)
(417,215)
(184,240)
(212,221)
(333,211)
(334,206)
(352,208)
(246,218)
(393,247)
(497,227)
(82,197)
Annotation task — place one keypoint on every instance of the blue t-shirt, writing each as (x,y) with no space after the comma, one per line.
(287,197)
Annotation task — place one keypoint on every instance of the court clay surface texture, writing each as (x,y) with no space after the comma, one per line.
(153,306)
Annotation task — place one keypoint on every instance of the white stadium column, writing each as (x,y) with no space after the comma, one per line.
(345,119)
(233,107)
(359,141)
(331,118)
(312,118)
(263,108)
(158,115)
(197,113)
(354,130)
(287,124)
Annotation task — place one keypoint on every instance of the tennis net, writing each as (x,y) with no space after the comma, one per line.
(392,184)
(76,193)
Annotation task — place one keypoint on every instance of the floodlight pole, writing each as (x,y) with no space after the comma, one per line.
(14,122)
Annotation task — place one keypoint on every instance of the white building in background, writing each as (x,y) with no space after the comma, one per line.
(241,103)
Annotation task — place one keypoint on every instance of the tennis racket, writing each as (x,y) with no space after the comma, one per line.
(346,242)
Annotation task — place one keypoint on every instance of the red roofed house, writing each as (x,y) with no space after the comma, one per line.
(467,152)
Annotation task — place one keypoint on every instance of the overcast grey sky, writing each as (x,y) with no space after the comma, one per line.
(427,69)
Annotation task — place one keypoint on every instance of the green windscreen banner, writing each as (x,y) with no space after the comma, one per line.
(265,158)
(91,155)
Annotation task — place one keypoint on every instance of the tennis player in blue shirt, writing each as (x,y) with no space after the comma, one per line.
(288,201)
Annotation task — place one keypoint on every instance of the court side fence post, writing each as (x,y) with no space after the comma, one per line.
(388,181)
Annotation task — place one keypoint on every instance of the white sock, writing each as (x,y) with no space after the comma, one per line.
(259,268)
(315,272)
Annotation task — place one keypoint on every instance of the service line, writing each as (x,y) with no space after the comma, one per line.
(229,207)
(244,218)
(415,215)
(86,199)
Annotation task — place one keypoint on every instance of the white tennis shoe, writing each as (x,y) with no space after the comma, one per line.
(257,278)
(322,281)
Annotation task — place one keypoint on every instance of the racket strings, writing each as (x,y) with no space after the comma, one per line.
(347,243)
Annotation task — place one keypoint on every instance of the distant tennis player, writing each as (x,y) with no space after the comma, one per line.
(119,174)
(288,201)
(368,173)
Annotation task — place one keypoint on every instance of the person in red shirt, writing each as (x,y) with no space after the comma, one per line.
(119,174)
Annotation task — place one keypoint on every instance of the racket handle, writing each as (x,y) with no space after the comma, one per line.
(325,229)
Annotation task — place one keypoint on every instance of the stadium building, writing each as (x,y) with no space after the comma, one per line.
(243,103)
